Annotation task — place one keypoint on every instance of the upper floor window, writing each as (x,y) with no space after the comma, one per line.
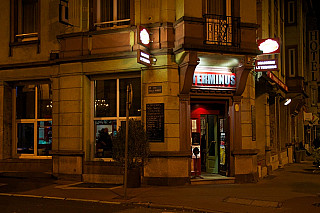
(216,7)
(292,62)
(112,13)
(26,20)
(291,12)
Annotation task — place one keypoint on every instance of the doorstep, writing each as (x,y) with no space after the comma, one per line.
(212,179)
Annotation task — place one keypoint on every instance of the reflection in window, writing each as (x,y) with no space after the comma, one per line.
(34,119)
(25,143)
(105,102)
(44,145)
(135,109)
(105,130)
(25,102)
(44,101)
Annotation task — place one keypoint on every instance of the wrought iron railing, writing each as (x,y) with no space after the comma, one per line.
(222,30)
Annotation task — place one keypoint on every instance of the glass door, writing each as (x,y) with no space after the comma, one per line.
(209,136)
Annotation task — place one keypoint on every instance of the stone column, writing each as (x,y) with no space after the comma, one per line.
(69,115)
(5,121)
(244,147)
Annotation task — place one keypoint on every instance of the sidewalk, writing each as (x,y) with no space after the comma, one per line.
(295,188)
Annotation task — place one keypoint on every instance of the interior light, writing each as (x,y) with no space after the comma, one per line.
(287,102)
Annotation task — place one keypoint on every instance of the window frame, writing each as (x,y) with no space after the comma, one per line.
(96,24)
(118,118)
(17,34)
(34,120)
(292,66)
(291,10)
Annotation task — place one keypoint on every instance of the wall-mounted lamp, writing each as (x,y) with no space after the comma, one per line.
(287,101)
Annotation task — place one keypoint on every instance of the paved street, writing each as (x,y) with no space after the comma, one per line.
(10,204)
(294,188)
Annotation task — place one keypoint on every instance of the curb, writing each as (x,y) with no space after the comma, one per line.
(147,205)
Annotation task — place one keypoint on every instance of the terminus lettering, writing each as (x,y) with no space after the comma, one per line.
(214,79)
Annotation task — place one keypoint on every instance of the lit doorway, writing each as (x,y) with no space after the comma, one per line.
(209,134)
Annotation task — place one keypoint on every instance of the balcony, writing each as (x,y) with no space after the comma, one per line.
(215,34)
(222,30)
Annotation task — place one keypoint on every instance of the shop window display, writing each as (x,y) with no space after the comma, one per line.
(109,111)
(33,107)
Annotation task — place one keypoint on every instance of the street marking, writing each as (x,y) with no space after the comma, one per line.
(252,202)
(20,195)
(85,200)
(54,198)
(72,186)
(67,185)
(59,198)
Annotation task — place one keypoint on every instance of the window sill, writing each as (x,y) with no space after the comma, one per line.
(26,156)
(21,43)
(104,159)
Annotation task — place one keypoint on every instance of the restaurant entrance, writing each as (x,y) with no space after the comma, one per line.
(209,125)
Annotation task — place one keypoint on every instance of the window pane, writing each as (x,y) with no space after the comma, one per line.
(135,109)
(29,16)
(105,130)
(25,138)
(123,9)
(25,101)
(44,101)
(106,9)
(44,137)
(105,103)
(217,7)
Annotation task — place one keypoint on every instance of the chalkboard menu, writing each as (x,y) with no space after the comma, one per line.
(155,122)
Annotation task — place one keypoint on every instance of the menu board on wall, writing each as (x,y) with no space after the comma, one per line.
(155,122)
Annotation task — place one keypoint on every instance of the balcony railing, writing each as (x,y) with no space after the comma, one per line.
(222,30)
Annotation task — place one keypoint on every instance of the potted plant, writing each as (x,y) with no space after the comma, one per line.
(138,150)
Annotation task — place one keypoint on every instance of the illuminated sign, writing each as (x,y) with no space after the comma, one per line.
(144,37)
(143,58)
(214,77)
(266,65)
(269,46)
(277,81)
(314,54)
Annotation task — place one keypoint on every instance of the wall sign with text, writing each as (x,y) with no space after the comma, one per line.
(277,80)
(143,58)
(214,78)
(155,122)
(266,65)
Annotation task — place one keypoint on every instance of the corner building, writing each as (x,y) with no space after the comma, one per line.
(63,85)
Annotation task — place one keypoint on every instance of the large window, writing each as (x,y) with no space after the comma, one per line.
(112,13)
(33,110)
(110,110)
(25,20)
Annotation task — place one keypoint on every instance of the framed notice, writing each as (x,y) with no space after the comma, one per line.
(155,122)
(253,120)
